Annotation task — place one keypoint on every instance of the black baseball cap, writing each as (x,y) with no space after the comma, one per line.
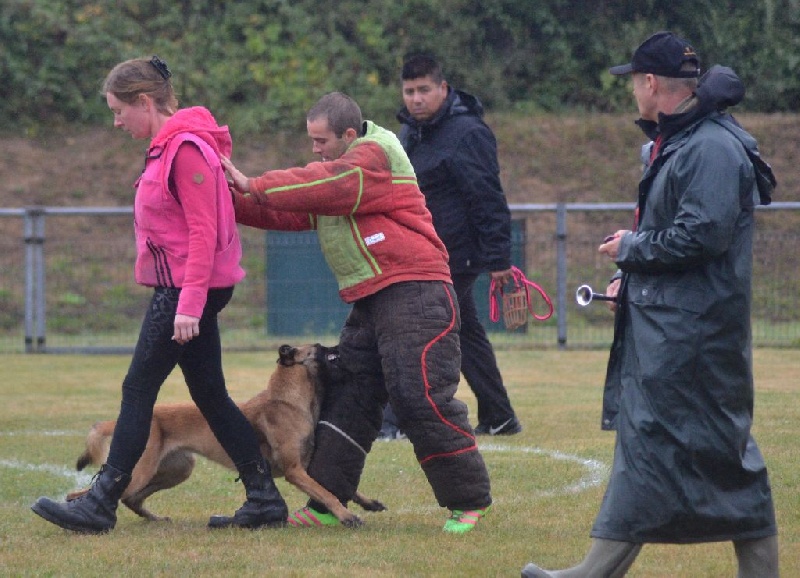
(663,54)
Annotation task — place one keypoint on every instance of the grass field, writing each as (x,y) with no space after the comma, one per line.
(547,483)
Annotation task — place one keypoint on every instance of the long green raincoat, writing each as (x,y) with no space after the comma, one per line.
(679,385)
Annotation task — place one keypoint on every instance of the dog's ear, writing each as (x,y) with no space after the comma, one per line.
(286,355)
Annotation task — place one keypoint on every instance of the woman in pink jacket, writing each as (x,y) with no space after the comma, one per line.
(188,250)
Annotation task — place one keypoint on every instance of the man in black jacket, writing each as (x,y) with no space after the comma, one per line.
(454,154)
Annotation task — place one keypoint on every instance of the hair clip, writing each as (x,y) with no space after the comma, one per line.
(161,67)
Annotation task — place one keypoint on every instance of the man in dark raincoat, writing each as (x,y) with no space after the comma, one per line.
(679,386)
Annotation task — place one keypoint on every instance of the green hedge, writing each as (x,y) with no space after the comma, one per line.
(259,64)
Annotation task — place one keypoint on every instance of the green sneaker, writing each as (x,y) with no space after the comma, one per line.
(309,517)
(462,521)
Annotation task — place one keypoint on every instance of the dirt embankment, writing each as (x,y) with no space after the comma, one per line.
(543,158)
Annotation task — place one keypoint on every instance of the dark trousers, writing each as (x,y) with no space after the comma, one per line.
(200,360)
(401,344)
(478,362)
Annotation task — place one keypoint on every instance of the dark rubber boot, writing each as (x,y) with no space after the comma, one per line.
(757,558)
(93,513)
(264,506)
(606,559)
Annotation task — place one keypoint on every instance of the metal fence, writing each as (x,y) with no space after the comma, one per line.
(66,280)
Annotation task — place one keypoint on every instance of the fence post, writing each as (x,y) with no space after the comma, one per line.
(34,279)
(561,273)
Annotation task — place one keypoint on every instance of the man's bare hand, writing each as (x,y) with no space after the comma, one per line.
(237,179)
(612,291)
(610,245)
(502,277)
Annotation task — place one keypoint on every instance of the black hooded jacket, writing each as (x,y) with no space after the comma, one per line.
(454,156)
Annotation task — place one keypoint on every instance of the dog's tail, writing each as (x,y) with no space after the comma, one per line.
(97,444)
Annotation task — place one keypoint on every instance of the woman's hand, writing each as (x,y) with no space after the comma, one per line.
(186,328)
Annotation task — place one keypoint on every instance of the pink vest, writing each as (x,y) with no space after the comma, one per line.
(163,237)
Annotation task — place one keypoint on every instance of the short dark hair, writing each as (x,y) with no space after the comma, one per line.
(341,112)
(422,64)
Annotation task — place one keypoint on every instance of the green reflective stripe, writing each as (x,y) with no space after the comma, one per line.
(375,267)
(360,189)
(345,251)
(298,186)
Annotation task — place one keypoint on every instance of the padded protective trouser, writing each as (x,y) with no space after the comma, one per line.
(402,344)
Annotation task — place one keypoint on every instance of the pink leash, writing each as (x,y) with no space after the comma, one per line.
(517,302)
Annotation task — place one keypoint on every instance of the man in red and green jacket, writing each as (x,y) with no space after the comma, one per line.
(400,341)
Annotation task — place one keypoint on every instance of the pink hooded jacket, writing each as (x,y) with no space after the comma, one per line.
(185,228)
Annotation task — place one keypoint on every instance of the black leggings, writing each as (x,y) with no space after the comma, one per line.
(200,360)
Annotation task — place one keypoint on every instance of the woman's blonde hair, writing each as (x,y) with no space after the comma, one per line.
(127,80)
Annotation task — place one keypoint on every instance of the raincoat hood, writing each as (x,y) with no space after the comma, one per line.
(717,90)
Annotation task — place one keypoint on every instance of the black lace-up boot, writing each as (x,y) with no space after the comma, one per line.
(264,506)
(95,512)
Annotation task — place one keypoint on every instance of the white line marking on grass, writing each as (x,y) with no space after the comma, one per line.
(596,473)
(53,433)
(79,478)
(596,470)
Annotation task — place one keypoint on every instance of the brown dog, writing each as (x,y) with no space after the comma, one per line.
(284,416)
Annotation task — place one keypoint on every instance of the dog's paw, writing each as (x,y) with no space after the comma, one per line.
(354,522)
(374,506)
